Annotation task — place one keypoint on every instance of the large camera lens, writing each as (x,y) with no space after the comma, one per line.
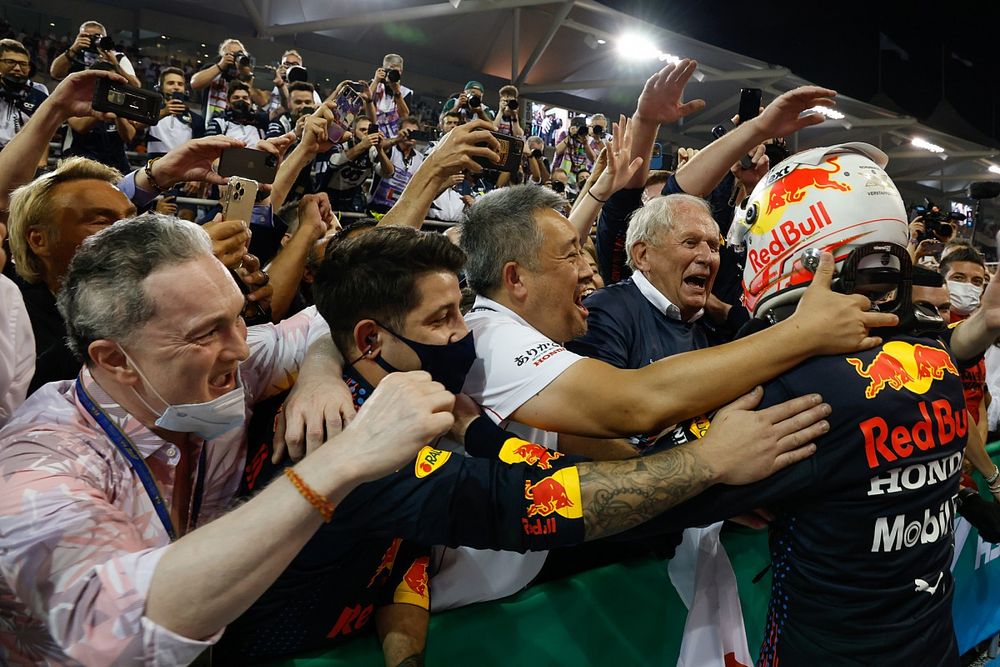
(475,101)
(598,131)
(537,153)
(393,75)
(106,43)
(512,105)
(296,73)
(243,59)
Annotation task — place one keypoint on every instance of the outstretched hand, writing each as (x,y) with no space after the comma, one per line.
(782,117)
(744,446)
(661,97)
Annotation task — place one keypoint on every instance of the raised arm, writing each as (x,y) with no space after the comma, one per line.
(702,173)
(455,153)
(686,385)
(19,158)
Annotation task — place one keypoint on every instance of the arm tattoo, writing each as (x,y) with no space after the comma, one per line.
(622,494)
(415,660)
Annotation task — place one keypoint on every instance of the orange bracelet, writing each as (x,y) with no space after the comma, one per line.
(324,506)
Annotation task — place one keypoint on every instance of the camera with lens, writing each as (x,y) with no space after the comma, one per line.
(242,59)
(598,131)
(512,105)
(393,75)
(938,225)
(475,101)
(126,101)
(296,73)
(579,131)
(103,41)
(240,112)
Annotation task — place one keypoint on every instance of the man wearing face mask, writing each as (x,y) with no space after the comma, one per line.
(964,272)
(239,120)
(400,311)
(116,487)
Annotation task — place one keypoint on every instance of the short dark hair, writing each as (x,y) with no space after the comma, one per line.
(300,86)
(373,276)
(172,70)
(236,85)
(13,45)
(924,277)
(961,255)
(454,114)
(412,120)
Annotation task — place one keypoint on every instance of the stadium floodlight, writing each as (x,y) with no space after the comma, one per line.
(828,112)
(917,142)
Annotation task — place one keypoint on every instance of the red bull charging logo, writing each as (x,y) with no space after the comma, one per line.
(515,450)
(557,494)
(898,365)
(791,185)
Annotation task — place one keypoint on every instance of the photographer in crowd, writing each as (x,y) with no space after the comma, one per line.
(390,96)
(234,65)
(574,149)
(104,141)
(178,122)
(469,103)
(404,159)
(92,45)
(18,98)
(350,164)
(239,120)
(289,71)
(508,120)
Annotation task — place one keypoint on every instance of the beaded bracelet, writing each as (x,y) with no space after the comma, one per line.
(322,505)
(148,170)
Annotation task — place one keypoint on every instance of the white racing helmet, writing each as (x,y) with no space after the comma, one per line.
(832,199)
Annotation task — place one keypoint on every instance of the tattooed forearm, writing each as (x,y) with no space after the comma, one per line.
(622,494)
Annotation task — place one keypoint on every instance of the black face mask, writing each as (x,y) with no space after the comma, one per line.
(14,83)
(447,364)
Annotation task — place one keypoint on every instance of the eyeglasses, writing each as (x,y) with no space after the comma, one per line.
(22,64)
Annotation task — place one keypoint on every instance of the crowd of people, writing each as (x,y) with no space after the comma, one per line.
(210,425)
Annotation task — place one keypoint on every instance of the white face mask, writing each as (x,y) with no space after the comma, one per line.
(208,420)
(964,297)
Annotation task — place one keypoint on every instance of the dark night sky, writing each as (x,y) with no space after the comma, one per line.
(836,44)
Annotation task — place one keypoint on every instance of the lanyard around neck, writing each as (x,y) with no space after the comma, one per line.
(136,462)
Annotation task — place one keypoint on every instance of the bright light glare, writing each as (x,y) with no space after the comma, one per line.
(602,41)
(828,112)
(994,169)
(637,47)
(926,145)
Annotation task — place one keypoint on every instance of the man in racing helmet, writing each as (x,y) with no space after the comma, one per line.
(861,545)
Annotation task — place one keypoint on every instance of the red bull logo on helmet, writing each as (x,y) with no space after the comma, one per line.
(899,365)
(515,450)
(558,493)
(790,185)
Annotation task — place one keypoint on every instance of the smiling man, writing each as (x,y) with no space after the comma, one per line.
(529,272)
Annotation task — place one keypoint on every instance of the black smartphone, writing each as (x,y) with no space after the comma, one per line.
(749,103)
(248,163)
(511,149)
(419,135)
(127,101)
(749,109)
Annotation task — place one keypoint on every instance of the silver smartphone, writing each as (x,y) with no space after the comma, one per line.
(237,204)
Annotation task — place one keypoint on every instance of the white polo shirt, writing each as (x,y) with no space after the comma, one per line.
(514,361)
(17,349)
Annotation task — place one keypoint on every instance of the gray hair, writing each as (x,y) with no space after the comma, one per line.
(102,296)
(227,42)
(657,217)
(499,228)
(95,24)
